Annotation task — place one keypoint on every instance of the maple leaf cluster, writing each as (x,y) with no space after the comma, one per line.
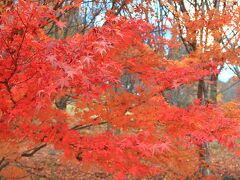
(35,68)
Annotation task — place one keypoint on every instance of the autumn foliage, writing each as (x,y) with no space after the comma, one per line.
(145,135)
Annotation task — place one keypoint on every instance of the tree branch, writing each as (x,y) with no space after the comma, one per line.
(32,151)
(80,127)
(3,163)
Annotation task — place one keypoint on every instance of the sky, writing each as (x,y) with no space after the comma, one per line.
(226,74)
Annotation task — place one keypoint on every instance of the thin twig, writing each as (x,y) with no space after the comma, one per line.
(224,90)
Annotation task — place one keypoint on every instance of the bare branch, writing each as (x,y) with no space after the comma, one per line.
(31,152)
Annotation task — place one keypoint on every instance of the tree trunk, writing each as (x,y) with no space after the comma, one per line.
(204,159)
(202,92)
(203,96)
(203,148)
(213,89)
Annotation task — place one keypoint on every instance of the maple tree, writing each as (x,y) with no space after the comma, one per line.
(210,34)
(146,135)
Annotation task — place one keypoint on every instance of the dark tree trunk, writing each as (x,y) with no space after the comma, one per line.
(213,89)
(202,94)
(62,102)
